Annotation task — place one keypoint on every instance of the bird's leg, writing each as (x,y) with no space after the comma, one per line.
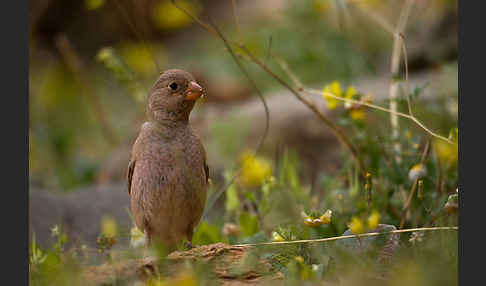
(188,244)
(148,239)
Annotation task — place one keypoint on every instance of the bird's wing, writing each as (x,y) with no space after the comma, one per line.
(131,168)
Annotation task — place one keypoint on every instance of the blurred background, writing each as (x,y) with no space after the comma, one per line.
(92,63)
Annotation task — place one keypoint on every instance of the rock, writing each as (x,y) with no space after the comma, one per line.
(79,213)
(365,244)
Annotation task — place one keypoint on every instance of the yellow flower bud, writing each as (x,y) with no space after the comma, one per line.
(416,172)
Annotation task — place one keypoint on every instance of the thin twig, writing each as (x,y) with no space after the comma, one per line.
(334,128)
(141,38)
(438,183)
(349,236)
(407,83)
(283,64)
(398,46)
(267,57)
(260,95)
(312,106)
(395,65)
(377,18)
(235,17)
(377,107)
(194,18)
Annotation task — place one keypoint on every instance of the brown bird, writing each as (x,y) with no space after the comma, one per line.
(167,175)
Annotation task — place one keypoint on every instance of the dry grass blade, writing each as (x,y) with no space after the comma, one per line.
(350,236)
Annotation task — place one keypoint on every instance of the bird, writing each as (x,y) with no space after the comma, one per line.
(167,174)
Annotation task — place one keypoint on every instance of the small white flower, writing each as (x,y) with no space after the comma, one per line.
(416,237)
(55,230)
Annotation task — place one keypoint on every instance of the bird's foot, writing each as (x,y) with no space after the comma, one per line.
(188,245)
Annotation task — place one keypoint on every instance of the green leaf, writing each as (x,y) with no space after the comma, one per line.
(232,201)
(248,224)
(206,234)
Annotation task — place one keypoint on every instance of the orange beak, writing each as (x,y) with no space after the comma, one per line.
(194,91)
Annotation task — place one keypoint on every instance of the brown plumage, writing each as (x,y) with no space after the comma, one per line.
(167,175)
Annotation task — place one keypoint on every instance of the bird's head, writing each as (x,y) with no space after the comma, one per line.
(173,96)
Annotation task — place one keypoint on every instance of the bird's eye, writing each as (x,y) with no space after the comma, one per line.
(173,86)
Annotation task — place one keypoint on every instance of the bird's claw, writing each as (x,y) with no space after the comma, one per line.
(188,245)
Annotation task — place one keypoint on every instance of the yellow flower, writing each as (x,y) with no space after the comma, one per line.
(357,114)
(350,93)
(326,217)
(255,171)
(373,220)
(446,151)
(276,236)
(335,89)
(108,226)
(356,226)
(311,220)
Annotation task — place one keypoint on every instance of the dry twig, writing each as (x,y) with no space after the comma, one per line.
(350,236)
